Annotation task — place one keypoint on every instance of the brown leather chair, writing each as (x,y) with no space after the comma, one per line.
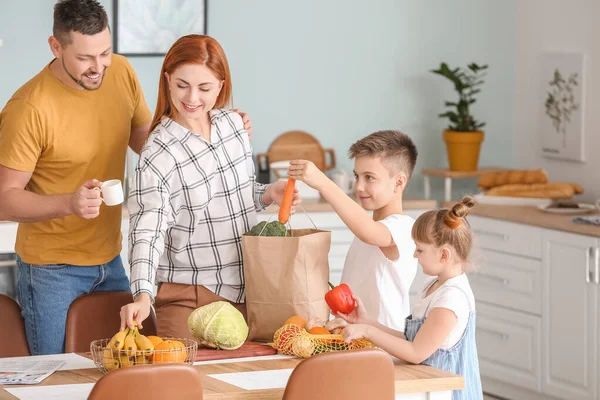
(13,341)
(97,316)
(159,381)
(349,375)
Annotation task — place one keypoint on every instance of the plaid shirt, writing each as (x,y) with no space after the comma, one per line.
(189,206)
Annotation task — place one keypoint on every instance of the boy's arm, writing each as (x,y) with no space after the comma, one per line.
(354,216)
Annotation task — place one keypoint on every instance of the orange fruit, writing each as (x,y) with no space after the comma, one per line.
(296,320)
(155,340)
(172,351)
(319,330)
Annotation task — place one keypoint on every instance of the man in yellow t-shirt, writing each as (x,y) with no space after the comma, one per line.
(62,134)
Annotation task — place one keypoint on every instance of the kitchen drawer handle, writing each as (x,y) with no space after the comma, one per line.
(501,236)
(499,279)
(587,264)
(501,335)
(8,263)
(597,265)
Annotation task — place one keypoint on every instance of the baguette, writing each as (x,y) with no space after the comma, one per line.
(577,188)
(536,190)
(493,179)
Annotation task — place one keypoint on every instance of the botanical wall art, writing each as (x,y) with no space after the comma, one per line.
(562,106)
(150,27)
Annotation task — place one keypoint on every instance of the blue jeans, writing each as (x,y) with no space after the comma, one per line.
(45,293)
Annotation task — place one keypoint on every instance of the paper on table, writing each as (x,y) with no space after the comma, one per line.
(257,380)
(26,372)
(72,360)
(79,391)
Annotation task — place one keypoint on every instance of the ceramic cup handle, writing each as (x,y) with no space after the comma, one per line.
(100,190)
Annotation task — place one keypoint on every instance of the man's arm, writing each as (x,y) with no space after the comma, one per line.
(20,205)
(138,137)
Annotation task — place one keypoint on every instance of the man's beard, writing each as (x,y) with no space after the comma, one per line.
(80,81)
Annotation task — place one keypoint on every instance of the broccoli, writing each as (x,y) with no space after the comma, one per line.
(256,229)
(274,228)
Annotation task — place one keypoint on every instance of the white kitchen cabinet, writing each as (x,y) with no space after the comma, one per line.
(508,344)
(508,281)
(570,324)
(537,293)
(508,237)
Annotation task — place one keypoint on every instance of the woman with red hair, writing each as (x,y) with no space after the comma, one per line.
(194,195)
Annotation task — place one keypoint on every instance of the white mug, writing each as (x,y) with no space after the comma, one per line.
(112,192)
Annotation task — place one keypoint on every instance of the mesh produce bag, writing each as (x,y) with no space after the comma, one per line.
(296,341)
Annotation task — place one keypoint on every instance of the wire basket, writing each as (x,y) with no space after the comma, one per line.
(108,359)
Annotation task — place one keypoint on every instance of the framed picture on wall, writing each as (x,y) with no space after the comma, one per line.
(150,27)
(562,105)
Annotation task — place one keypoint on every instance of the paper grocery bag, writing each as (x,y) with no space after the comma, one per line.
(285,276)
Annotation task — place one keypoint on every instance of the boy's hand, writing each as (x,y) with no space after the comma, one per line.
(356,316)
(354,332)
(274,193)
(307,172)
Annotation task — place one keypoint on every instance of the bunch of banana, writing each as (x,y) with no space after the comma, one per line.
(126,349)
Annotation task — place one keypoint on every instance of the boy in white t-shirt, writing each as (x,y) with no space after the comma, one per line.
(379,266)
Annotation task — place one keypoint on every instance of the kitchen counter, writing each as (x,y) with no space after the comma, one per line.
(533,216)
(320,205)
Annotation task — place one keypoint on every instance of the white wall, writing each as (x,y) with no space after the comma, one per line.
(342,69)
(557,25)
(339,69)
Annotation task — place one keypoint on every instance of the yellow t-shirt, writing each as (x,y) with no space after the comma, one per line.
(65,137)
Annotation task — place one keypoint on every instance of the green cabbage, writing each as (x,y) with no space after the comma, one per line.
(218,325)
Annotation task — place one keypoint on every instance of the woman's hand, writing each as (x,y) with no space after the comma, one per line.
(274,193)
(358,315)
(137,311)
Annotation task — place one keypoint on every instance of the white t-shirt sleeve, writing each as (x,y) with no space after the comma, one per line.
(400,227)
(453,299)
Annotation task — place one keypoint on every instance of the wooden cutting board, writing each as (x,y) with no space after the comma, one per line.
(248,349)
(295,145)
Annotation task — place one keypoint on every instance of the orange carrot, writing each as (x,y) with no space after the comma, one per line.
(286,203)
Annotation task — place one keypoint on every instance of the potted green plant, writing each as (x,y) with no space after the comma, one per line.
(463,136)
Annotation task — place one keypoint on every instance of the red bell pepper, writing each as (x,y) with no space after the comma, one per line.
(339,299)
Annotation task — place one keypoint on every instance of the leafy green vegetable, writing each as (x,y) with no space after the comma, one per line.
(274,228)
(218,325)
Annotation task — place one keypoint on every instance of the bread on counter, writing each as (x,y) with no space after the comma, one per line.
(516,176)
(547,190)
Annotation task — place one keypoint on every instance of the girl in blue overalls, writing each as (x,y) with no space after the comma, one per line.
(441,330)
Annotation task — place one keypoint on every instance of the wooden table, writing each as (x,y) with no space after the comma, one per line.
(410,378)
(448,175)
